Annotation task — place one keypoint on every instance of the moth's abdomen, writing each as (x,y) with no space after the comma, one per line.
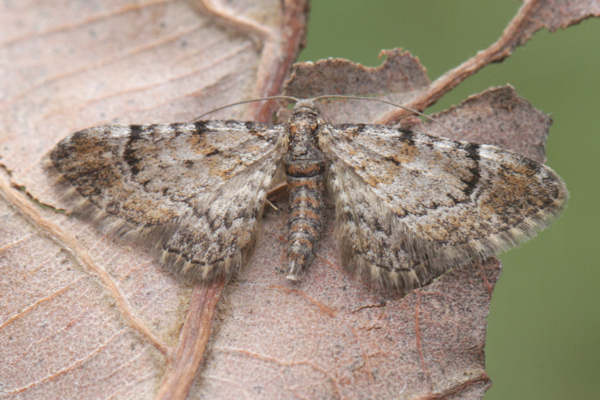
(305,185)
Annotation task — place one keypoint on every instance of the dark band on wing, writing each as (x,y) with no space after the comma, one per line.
(129,156)
(407,136)
(472,153)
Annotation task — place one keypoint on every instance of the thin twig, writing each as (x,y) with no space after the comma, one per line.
(278,55)
(182,369)
(498,51)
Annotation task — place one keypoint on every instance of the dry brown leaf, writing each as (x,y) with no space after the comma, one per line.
(83,317)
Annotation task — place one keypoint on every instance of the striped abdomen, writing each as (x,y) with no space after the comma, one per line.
(305,187)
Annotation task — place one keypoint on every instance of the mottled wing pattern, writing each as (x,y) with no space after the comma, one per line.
(410,206)
(196,189)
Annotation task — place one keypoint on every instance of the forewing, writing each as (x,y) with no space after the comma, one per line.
(409,206)
(195,189)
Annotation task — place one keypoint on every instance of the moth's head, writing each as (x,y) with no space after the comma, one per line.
(305,117)
(306,106)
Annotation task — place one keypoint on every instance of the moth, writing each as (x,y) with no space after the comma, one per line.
(408,206)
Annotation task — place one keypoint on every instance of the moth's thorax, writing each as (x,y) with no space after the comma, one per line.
(303,126)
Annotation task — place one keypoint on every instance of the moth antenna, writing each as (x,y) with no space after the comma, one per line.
(412,110)
(290,98)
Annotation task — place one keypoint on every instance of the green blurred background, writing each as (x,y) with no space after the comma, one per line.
(544,327)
